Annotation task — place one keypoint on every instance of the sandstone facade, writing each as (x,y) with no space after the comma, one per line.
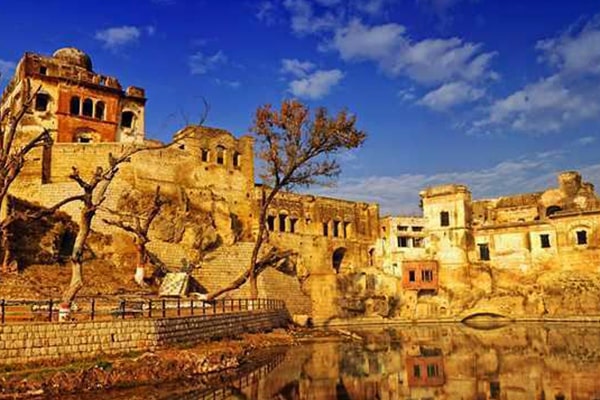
(515,255)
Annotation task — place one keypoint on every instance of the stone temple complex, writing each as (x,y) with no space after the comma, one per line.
(532,254)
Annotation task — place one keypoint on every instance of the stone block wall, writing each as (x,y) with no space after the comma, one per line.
(26,343)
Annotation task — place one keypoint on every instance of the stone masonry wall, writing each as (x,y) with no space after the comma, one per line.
(25,343)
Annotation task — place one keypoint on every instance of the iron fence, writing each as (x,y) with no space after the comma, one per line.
(101,308)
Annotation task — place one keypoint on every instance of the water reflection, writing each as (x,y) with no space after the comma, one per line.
(516,362)
(445,362)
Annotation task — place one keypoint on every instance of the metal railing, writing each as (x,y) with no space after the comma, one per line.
(99,309)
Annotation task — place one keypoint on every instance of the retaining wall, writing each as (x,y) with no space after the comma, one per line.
(25,343)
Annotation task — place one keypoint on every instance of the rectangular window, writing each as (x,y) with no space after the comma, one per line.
(484,251)
(282,218)
(204,155)
(325,229)
(346,230)
(417,228)
(412,277)
(444,218)
(271,223)
(336,228)
(43,70)
(494,390)
(402,228)
(432,370)
(402,241)
(293,222)
(427,275)
(545,241)
(417,242)
(581,237)
(417,371)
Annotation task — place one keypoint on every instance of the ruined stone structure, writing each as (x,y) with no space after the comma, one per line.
(515,255)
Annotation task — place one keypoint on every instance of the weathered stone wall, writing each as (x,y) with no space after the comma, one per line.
(24,343)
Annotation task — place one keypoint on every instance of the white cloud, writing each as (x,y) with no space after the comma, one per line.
(304,20)
(450,95)
(116,37)
(296,67)
(584,141)
(6,69)
(201,63)
(372,7)
(575,51)
(316,85)
(228,83)
(400,194)
(566,98)
(407,95)
(429,61)
(266,12)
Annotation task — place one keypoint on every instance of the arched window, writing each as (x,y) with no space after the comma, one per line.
(41,101)
(552,210)
(237,158)
(75,105)
(220,155)
(99,111)
(127,118)
(88,108)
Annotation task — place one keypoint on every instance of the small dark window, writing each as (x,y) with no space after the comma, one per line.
(75,105)
(444,218)
(237,157)
(293,222)
(88,108)
(402,241)
(325,229)
(484,252)
(41,102)
(220,155)
(127,119)
(336,228)
(346,230)
(581,237)
(84,139)
(427,275)
(494,390)
(43,70)
(545,241)
(271,223)
(204,155)
(412,277)
(402,228)
(552,210)
(282,218)
(417,371)
(417,228)
(417,242)
(432,370)
(99,112)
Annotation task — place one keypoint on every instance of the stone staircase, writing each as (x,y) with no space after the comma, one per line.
(222,266)
(225,264)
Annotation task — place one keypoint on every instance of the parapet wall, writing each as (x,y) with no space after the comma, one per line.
(26,343)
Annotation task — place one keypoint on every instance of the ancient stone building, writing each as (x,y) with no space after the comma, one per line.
(511,255)
(75,103)
(514,255)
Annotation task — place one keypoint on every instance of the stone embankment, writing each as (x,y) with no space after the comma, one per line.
(27,343)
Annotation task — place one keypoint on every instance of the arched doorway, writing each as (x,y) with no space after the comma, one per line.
(337,258)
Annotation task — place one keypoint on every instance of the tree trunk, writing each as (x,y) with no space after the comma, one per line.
(77,256)
(76,282)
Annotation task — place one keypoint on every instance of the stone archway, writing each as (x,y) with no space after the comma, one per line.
(337,258)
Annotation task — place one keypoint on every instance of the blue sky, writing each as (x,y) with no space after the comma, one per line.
(499,95)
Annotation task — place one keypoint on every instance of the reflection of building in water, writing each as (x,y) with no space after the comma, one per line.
(426,369)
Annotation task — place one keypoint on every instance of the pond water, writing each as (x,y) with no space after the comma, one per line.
(528,362)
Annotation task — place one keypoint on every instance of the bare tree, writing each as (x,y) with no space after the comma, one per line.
(13,155)
(137,222)
(297,150)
